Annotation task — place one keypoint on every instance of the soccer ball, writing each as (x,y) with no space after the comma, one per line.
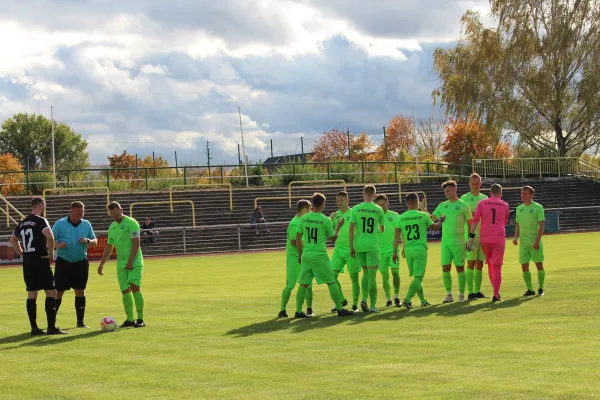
(108,324)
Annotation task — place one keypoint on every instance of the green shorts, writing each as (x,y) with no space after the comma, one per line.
(317,266)
(477,253)
(129,276)
(368,259)
(416,260)
(527,253)
(292,271)
(339,259)
(453,253)
(386,262)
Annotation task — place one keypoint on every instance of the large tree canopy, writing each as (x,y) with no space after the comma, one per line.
(29,138)
(535,74)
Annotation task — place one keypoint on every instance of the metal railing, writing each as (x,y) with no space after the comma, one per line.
(589,171)
(83,189)
(289,197)
(6,211)
(170,202)
(227,185)
(526,167)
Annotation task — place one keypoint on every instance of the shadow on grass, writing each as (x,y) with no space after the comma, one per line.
(25,339)
(386,314)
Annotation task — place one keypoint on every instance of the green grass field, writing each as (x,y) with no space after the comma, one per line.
(212,334)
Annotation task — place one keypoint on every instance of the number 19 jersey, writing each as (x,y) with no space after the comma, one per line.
(315,229)
(413,225)
(367,217)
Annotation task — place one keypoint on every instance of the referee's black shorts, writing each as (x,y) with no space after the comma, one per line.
(71,275)
(37,273)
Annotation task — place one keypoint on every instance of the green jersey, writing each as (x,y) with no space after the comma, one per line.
(120,235)
(529,218)
(292,228)
(342,244)
(367,217)
(472,202)
(413,225)
(315,229)
(386,238)
(457,214)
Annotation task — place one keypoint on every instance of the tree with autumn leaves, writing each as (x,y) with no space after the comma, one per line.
(337,145)
(126,166)
(467,140)
(12,174)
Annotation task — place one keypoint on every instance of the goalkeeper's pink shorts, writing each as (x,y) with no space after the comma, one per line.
(494,252)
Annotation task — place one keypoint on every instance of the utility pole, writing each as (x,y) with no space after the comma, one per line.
(208,157)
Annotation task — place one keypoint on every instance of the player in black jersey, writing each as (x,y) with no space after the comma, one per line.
(34,241)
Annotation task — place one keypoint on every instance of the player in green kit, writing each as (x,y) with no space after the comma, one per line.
(311,242)
(341,251)
(530,228)
(365,221)
(475,257)
(457,214)
(292,267)
(124,235)
(412,227)
(386,251)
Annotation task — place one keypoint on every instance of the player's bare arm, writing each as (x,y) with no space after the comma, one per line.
(517,232)
(298,245)
(351,239)
(50,243)
(89,242)
(16,244)
(107,252)
(436,226)
(135,246)
(540,232)
(397,239)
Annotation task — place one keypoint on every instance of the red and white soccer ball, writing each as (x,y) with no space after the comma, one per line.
(108,324)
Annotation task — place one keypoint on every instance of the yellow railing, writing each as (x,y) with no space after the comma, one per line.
(148,203)
(589,171)
(343,182)
(228,185)
(423,194)
(414,177)
(526,167)
(6,211)
(58,190)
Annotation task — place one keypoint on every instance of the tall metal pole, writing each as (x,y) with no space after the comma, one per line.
(415,144)
(53,151)
(239,156)
(385,144)
(302,147)
(271,148)
(243,147)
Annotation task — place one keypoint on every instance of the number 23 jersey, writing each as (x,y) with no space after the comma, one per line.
(30,232)
(367,217)
(413,225)
(315,228)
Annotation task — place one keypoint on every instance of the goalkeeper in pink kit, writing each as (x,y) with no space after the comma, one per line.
(493,214)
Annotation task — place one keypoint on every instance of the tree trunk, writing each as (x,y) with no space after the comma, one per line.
(561,142)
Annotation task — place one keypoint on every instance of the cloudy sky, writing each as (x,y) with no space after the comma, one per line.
(156,75)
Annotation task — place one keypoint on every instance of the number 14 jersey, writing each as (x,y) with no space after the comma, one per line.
(367,217)
(413,225)
(315,228)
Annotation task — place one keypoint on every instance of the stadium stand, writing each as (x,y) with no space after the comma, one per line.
(220,229)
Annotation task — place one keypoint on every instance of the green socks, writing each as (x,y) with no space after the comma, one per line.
(336,276)
(364,285)
(413,288)
(396,281)
(138,298)
(421,294)
(477,279)
(462,282)
(300,296)
(309,296)
(447,281)
(385,277)
(128,305)
(336,295)
(541,278)
(470,274)
(372,277)
(355,288)
(527,279)
(285,298)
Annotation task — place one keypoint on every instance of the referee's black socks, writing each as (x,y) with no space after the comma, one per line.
(32,313)
(79,308)
(51,311)
(58,303)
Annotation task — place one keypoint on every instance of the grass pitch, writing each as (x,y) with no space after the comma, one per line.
(212,334)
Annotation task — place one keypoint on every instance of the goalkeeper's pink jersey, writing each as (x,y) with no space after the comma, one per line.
(493,214)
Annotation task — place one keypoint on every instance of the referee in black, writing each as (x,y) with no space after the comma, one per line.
(73,236)
(35,236)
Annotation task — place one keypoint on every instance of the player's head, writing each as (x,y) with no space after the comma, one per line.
(449,189)
(527,194)
(369,192)
(115,210)
(496,190)
(475,182)
(342,200)
(382,201)
(318,202)
(412,201)
(77,211)
(37,205)
(303,207)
